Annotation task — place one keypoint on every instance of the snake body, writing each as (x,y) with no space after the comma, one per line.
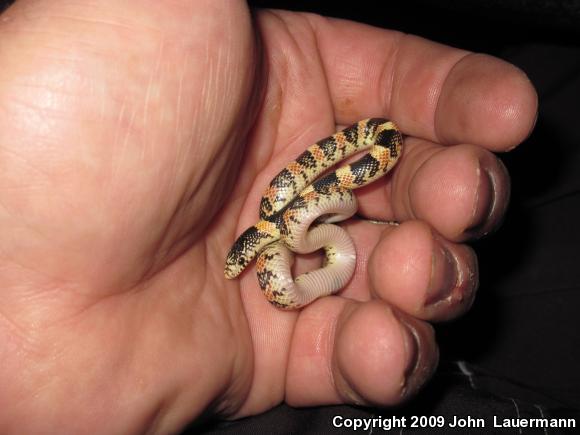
(298,208)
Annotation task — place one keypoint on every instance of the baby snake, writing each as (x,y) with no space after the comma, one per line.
(297,211)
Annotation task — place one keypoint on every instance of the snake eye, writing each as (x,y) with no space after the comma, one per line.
(241,261)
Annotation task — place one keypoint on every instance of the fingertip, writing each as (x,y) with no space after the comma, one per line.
(461,191)
(422,274)
(391,363)
(486,101)
(387,353)
(400,266)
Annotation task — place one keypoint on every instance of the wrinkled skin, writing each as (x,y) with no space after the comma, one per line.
(135,141)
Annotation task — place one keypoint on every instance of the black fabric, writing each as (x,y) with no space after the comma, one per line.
(517,353)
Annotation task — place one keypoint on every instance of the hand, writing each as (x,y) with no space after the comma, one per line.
(136,140)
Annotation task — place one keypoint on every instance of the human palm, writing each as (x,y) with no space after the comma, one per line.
(135,144)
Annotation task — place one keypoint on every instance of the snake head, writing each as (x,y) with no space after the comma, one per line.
(248,245)
(236,262)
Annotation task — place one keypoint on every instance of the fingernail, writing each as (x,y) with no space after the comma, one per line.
(485,200)
(422,355)
(411,341)
(444,274)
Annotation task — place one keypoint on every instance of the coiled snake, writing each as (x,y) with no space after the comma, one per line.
(295,200)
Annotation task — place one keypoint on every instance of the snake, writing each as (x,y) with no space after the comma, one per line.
(300,206)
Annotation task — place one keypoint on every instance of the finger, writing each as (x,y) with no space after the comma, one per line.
(413,268)
(461,191)
(360,353)
(423,274)
(431,90)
